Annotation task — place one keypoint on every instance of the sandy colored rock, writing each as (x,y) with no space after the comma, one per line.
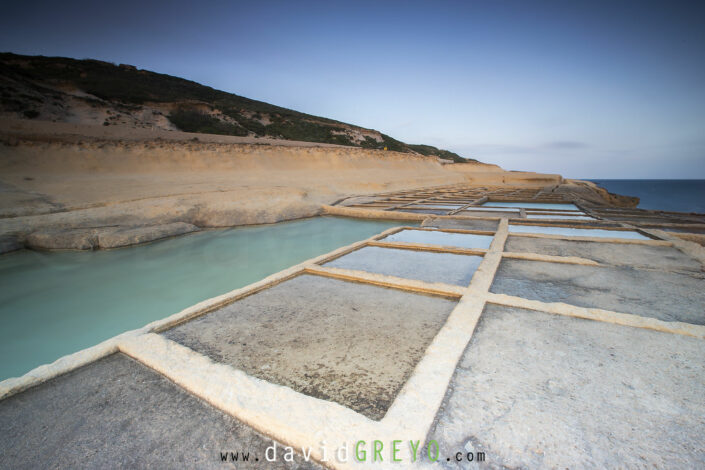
(59,176)
(106,237)
(80,239)
(125,237)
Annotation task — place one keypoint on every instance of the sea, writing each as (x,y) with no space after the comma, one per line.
(665,195)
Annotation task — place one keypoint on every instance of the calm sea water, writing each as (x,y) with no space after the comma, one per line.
(53,304)
(666,195)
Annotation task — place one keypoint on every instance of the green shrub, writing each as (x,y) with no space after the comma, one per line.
(128,88)
(306,131)
(194,121)
(370,143)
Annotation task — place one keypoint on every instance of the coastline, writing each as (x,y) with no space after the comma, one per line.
(70,186)
(681,195)
(540,231)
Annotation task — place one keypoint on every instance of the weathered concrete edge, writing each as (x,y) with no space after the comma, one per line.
(383,280)
(62,365)
(570,224)
(608,316)
(452,230)
(416,405)
(298,420)
(477,252)
(293,418)
(463,330)
(429,247)
(624,241)
(551,258)
(478,291)
(689,248)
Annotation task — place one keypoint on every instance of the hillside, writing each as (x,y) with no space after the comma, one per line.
(96,92)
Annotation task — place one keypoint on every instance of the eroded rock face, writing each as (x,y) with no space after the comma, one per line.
(111,237)
(591,192)
(77,239)
(9,243)
(59,194)
(73,191)
(125,237)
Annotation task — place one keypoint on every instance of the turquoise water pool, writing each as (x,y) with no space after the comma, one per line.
(463,240)
(53,304)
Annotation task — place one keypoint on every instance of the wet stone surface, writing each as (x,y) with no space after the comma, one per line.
(117,413)
(426,266)
(535,390)
(354,344)
(664,295)
(462,240)
(660,257)
(463,224)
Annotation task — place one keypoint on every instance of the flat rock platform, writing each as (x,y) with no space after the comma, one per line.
(493,328)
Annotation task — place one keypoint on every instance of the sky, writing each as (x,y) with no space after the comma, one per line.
(593,89)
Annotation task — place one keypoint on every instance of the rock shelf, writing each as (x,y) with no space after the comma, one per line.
(516,349)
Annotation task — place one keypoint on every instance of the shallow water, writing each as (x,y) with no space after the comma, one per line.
(463,240)
(53,304)
(426,266)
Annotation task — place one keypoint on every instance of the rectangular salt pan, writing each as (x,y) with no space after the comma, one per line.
(425,266)
(577,232)
(352,343)
(668,296)
(428,237)
(533,205)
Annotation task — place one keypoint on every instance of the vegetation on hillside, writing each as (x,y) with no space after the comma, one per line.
(198,108)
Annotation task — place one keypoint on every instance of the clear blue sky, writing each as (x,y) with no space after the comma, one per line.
(587,89)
